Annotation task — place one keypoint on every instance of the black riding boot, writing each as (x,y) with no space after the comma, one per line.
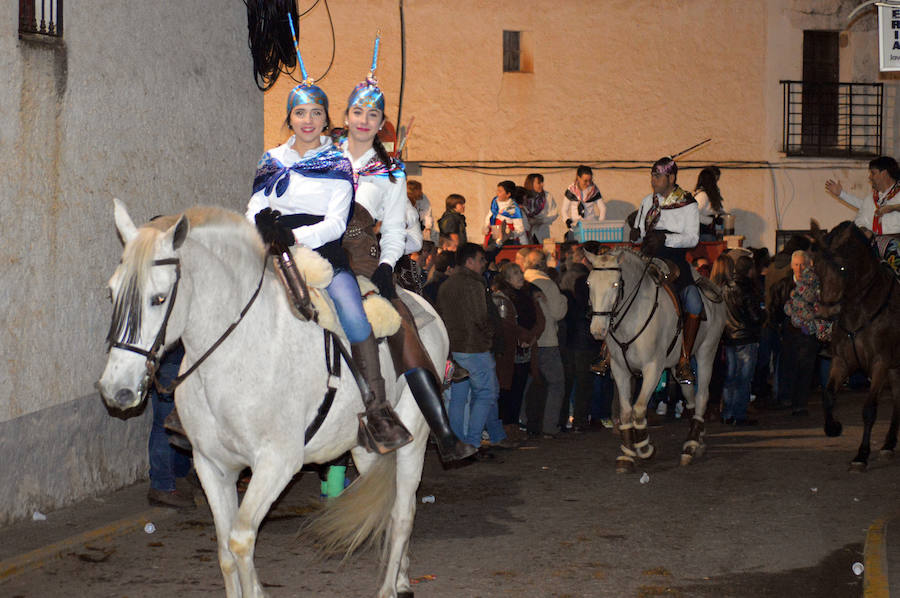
(382,431)
(683,372)
(428,398)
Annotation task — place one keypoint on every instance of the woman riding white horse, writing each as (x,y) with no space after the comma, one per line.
(303,193)
(381,197)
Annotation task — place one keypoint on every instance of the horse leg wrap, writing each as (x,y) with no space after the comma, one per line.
(642,440)
(627,441)
(694,438)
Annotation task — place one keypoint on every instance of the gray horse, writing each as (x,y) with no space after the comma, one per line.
(639,322)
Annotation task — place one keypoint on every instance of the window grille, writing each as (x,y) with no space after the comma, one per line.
(511,52)
(832,119)
(41,17)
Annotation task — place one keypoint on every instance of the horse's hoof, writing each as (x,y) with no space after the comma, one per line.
(857,467)
(700,450)
(886,453)
(833,428)
(686,459)
(405,595)
(624,466)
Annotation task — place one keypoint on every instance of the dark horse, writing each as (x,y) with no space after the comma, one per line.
(861,296)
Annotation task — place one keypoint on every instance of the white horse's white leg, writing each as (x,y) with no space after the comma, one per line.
(641,436)
(270,476)
(221,495)
(622,377)
(409,473)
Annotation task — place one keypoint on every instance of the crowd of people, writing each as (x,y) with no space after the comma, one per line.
(522,355)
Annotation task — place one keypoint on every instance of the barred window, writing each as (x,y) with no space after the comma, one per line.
(41,17)
(824,116)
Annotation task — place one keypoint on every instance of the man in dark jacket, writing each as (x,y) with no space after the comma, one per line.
(462,301)
(798,349)
(741,339)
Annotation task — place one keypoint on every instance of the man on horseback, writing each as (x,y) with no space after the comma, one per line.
(668,225)
(881,214)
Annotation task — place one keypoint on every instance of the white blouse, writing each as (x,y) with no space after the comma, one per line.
(386,202)
(330,198)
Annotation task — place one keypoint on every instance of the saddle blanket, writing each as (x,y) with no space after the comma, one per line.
(317,273)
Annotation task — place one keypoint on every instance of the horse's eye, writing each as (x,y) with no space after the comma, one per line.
(109,295)
(158,299)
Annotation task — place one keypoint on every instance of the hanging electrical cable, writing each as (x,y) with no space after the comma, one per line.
(270,41)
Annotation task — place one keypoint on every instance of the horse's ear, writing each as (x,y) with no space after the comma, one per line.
(591,257)
(818,235)
(125,226)
(179,232)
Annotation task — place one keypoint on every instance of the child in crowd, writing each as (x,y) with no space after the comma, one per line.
(453,222)
(506,213)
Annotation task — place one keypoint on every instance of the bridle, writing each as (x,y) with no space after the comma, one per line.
(611,313)
(617,316)
(153,354)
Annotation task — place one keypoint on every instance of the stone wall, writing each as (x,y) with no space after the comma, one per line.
(153,103)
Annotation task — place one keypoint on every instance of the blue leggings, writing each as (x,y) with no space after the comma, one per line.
(690,298)
(344,291)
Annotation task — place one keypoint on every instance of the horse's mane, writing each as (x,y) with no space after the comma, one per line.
(137,259)
(847,231)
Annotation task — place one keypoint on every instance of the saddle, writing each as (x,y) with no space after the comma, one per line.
(317,273)
(665,272)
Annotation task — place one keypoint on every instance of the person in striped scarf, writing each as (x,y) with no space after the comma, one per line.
(668,225)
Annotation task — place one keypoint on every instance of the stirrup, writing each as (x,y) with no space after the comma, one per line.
(177,436)
(389,440)
(601,365)
(683,372)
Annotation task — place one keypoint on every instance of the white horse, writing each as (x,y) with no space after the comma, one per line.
(250,402)
(638,320)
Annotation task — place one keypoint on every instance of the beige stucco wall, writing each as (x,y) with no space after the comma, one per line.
(150,102)
(612,81)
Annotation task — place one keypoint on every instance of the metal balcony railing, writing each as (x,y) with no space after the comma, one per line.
(832,119)
(41,17)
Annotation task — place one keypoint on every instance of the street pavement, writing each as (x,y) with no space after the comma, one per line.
(768,511)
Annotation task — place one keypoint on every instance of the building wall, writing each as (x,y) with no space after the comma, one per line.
(153,103)
(611,81)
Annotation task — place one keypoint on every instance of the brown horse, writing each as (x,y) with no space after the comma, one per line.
(861,296)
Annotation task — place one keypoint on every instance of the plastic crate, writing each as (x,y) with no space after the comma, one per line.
(604,231)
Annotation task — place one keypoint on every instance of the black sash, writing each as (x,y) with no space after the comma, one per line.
(331,251)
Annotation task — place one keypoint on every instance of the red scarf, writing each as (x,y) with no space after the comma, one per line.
(876,220)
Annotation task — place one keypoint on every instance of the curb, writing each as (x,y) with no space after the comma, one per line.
(39,557)
(875,582)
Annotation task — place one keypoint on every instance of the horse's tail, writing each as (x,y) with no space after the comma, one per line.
(359,517)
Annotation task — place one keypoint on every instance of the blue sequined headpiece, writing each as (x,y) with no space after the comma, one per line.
(307,92)
(367,94)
